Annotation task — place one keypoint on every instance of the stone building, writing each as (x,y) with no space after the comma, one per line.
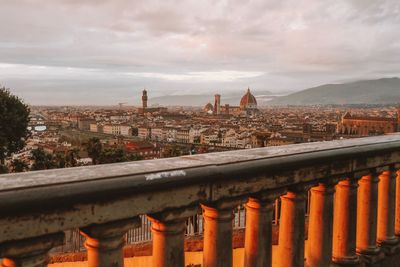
(353,125)
(84,123)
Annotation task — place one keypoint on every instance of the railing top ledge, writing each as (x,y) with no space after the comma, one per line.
(151,171)
(54,200)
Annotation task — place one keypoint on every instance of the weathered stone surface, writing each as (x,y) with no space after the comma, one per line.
(45,202)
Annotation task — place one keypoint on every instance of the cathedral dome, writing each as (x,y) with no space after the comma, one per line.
(208,108)
(248,100)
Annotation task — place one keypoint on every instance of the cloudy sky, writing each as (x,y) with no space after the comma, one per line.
(106,51)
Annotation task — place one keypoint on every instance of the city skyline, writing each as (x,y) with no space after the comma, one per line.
(102,52)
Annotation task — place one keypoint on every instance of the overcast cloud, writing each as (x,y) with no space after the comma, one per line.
(105,52)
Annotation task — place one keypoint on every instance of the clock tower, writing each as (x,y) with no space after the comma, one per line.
(144,100)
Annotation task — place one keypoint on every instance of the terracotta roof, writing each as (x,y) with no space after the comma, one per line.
(209,106)
(366,118)
(247,99)
(348,116)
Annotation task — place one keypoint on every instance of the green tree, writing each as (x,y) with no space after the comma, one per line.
(94,149)
(60,160)
(133,157)
(72,157)
(3,169)
(172,151)
(67,159)
(112,155)
(14,118)
(42,160)
(18,165)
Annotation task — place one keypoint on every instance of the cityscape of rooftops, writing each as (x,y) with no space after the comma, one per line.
(93,82)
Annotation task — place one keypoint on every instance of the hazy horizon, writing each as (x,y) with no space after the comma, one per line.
(99,52)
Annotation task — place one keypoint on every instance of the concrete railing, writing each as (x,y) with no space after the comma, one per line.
(354,212)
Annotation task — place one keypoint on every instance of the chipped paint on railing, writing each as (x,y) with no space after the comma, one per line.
(160,175)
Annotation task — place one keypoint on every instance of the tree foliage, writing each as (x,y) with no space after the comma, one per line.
(133,157)
(14,118)
(172,151)
(18,165)
(94,149)
(3,169)
(60,160)
(72,157)
(112,155)
(101,155)
(42,160)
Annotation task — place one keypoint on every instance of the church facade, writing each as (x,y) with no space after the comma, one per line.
(351,125)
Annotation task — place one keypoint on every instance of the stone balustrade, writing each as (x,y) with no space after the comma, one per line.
(353,217)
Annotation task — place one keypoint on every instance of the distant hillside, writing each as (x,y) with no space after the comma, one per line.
(202,100)
(381,91)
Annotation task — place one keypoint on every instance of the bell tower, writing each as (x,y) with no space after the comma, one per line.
(144,100)
(217,104)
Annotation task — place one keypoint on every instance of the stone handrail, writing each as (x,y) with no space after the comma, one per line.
(104,201)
